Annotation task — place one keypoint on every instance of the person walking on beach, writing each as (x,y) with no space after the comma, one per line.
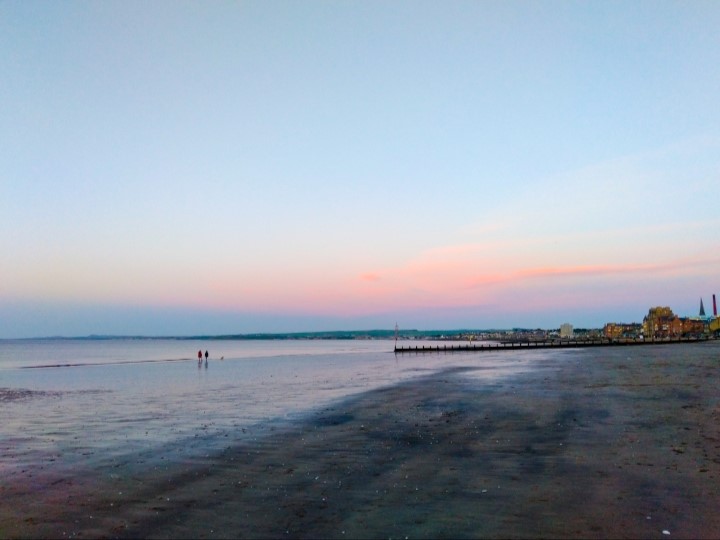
(199,357)
(206,357)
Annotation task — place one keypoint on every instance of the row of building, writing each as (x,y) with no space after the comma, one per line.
(662,323)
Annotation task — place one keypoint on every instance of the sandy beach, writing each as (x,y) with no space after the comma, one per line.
(623,443)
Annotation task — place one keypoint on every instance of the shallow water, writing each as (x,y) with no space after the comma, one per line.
(71,401)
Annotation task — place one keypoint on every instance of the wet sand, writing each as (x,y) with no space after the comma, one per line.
(615,444)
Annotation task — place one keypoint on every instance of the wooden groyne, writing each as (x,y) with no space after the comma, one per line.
(525,345)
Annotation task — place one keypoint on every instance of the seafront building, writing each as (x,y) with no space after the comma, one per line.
(566,330)
(662,323)
(622,330)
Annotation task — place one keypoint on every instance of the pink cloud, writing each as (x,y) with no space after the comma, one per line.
(684,266)
(455,276)
(467,275)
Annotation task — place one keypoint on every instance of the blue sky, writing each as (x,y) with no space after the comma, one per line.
(215,167)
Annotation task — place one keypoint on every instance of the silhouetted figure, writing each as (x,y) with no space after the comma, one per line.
(206,357)
(199,357)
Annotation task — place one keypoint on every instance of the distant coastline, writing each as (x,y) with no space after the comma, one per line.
(463,334)
(517,335)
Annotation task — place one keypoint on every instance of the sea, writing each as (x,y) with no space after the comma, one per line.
(69,402)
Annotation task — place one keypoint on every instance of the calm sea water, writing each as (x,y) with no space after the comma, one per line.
(70,401)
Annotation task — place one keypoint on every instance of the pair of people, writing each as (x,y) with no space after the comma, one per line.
(200,355)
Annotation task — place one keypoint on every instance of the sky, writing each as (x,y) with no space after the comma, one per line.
(185,168)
